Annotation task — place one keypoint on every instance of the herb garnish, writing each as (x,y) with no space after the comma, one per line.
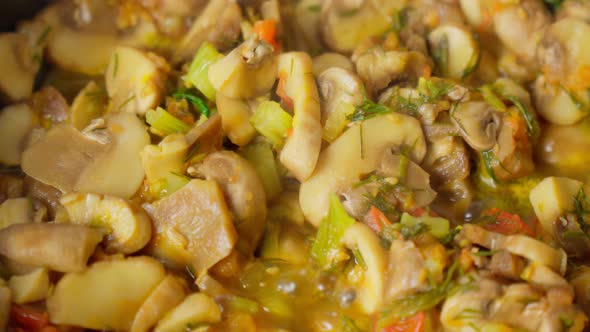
(196,101)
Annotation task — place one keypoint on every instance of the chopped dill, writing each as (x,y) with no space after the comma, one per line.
(367,110)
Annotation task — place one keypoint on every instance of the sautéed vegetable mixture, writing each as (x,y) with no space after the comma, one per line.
(310,165)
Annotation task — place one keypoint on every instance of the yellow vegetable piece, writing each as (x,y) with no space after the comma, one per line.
(31,287)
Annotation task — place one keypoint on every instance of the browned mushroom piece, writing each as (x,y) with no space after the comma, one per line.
(243,192)
(479,124)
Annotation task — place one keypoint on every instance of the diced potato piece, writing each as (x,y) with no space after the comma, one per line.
(16,122)
(15,211)
(128,226)
(89,104)
(165,158)
(60,247)
(552,198)
(5,300)
(31,287)
(106,296)
(71,161)
(345,161)
(360,237)
(235,114)
(555,104)
(17,66)
(234,77)
(196,309)
(193,226)
(135,80)
(119,172)
(167,295)
(302,148)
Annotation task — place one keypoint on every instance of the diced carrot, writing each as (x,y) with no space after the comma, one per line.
(267,30)
(411,324)
(377,220)
(28,318)
(281,90)
(506,223)
(580,80)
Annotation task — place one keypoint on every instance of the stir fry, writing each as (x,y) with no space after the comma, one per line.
(297,165)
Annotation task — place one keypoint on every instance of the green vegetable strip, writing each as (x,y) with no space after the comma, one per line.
(164,122)
(330,233)
(272,122)
(532,125)
(260,155)
(488,158)
(437,226)
(196,101)
(198,71)
(491,98)
(367,110)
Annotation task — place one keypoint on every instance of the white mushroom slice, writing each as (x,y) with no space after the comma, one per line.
(235,114)
(196,309)
(248,71)
(135,80)
(476,12)
(107,295)
(348,158)
(478,123)
(552,198)
(218,23)
(89,104)
(128,227)
(326,61)
(536,251)
(71,161)
(543,276)
(17,66)
(455,50)
(360,237)
(16,122)
(308,25)
(342,91)
(168,294)
(302,148)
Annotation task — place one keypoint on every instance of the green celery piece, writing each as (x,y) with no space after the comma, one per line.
(199,69)
(437,226)
(330,233)
(164,122)
(272,122)
(260,155)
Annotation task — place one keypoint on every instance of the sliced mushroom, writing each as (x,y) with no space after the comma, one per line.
(455,50)
(218,23)
(478,123)
(244,194)
(18,66)
(407,272)
(329,60)
(307,23)
(135,81)
(346,23)
(234,119)
(248,71)
(16,122)
(128,227)
(81,43)
(60,247)
(105,161)
(520,27)
(344,162)
(302,148)
(193,226)
(341,91)
(89,104)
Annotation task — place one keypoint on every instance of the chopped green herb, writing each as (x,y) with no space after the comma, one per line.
(196,101)
(400,19)
(432,90)
(582,209)
(489,95)
(126,101)
(488,159)
(362,143)
(532,125)
(367,110)
(577,102)
(358,257)
(314,8)
(474,60)
(43,36)
(116,64)
(440,55)
(437,226)
(410,232)
(348,325)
